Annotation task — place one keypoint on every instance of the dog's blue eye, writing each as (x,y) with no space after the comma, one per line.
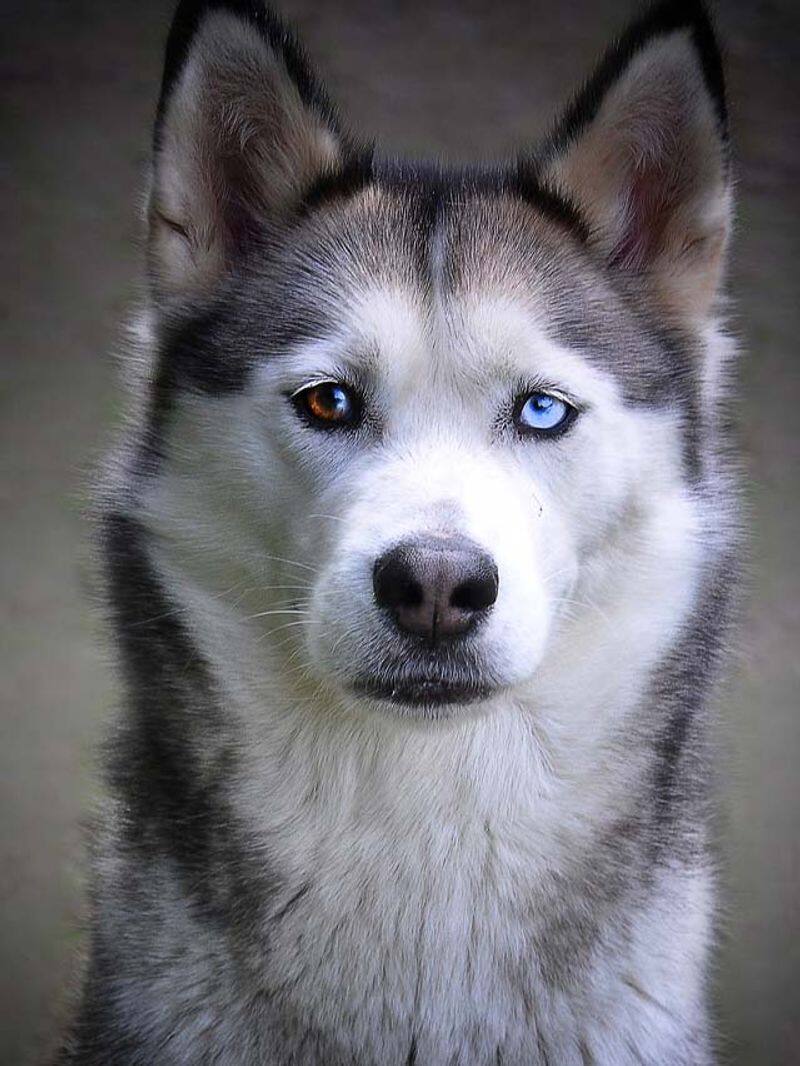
(542,413)
(329,404)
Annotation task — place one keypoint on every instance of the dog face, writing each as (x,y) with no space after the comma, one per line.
(445,421)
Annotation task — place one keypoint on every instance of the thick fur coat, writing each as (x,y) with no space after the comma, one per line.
(341,829)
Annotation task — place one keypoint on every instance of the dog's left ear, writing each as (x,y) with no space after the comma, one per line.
(642,154)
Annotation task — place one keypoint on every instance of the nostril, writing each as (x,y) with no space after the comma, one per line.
(395,584)
(478,592)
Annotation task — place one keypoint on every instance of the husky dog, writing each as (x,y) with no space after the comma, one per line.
(417,553)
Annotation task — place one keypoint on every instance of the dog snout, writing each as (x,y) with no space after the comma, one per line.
(436,588)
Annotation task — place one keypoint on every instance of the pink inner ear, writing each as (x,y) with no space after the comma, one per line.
(650,196)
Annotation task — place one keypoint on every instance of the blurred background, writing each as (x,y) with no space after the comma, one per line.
(456,79)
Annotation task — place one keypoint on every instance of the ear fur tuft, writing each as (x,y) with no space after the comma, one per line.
(243,132)
(188,18)
(660,21)
(642,151)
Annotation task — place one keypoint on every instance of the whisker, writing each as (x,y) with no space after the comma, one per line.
(584,603)
(335,517)
(555,573)
(350,631)
(277,610)
(290,562)
(181,609)
(300,622)
(305,586)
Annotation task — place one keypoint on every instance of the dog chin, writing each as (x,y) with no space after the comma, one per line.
(424,697)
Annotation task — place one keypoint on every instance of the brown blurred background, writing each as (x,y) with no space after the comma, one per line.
(459,79)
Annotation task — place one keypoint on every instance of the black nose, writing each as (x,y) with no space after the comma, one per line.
(436,587)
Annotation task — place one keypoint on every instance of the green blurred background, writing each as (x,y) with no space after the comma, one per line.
(79,82)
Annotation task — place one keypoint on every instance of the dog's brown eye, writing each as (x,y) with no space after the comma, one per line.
(329,404)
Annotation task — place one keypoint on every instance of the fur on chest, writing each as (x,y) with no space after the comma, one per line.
(469,963)
(475,911)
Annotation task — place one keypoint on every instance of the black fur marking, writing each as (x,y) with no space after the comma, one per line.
(290,904)
(355,174)
(155,770)
(448,186)
(214,351)
(202,354)
(175,760)
(524,182)
(663,19)
(681,778)
(411,1060)
(169,769)
(194,353)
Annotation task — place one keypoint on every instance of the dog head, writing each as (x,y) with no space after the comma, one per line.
(449,422)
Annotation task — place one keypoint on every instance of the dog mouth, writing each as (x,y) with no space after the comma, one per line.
(429,682)
(421,692)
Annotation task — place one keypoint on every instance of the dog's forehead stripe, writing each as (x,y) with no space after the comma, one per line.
(432,242)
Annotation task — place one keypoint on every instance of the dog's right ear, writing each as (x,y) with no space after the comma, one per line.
(243,132)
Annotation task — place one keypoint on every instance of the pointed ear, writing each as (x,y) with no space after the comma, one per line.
(243,132)
(642,153)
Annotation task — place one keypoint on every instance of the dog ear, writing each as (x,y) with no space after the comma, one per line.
(642,154)
(243,132)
